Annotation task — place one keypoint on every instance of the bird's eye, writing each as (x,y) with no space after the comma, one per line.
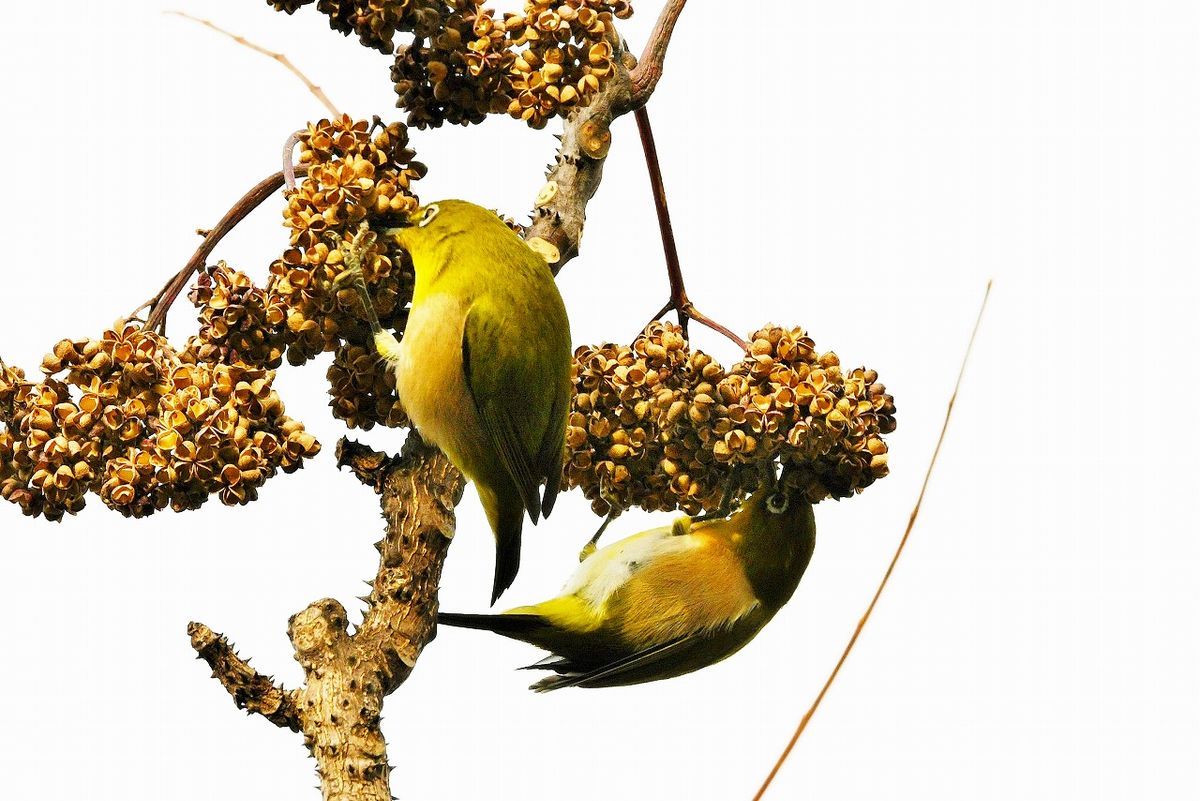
(777,503)
(431,211)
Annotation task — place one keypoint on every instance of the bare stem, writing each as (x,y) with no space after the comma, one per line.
(316,91)
(161,303)
(912,519)
(679,299)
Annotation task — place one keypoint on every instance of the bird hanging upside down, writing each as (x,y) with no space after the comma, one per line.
(669,600)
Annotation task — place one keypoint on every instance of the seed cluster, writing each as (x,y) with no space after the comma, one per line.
(466,62)
(126,418)
(363,389)
(239,322)
(374,21)
(566,55)
(354,180)
(663,427)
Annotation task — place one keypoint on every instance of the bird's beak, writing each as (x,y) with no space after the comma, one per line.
(398,233)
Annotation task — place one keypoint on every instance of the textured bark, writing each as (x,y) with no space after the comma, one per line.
(346,676)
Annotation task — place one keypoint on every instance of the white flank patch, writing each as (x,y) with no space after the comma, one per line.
(605,571)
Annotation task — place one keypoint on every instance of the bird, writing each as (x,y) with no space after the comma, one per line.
(483,369)
(669,600)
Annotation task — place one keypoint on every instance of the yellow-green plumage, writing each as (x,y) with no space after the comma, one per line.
(483,369)
(669,600)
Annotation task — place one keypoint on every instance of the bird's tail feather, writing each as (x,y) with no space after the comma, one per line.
(507,527)
(507,625)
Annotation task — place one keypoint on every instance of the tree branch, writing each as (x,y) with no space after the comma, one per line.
(161,303)
(679,299)
(348,675)
(250,689)
(649,70)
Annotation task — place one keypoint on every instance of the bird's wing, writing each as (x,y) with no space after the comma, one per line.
(551,453)
(635,667)
(505,388)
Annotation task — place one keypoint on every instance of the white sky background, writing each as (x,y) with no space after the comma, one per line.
(857,168)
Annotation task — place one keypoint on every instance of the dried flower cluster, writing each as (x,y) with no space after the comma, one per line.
(465,63)
(239,322)
(364,389)
(663,427)
(353,179)
(126,418)
(374,21)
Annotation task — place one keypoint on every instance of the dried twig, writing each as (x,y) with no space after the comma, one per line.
(912,519)
(316,91)
(161,303)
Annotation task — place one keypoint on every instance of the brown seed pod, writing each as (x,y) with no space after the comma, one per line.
(142,428)
(239,323)
(659,426)
(354,180)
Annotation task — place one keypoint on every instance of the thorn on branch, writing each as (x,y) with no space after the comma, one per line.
(370,466)
(250,689)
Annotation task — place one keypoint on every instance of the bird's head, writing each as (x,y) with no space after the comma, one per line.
(774,532)
(431,225)
(775,510)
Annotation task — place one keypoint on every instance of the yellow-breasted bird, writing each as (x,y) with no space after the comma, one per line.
(483,369)
(669,600)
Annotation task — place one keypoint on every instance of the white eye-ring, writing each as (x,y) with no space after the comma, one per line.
(777,503)
(431,211)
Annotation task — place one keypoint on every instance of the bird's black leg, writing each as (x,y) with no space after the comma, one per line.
(590,548)
(727,501)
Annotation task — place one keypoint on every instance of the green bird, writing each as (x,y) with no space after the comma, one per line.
(667,601)
(483,368)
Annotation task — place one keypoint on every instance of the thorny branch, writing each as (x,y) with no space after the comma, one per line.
(649,70)
(348,675)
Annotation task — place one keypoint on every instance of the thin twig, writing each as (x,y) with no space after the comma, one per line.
(912,519)
(160,304)
(679,300)
(316,91)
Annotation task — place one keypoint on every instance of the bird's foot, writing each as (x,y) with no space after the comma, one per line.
(351,276)
(590,548)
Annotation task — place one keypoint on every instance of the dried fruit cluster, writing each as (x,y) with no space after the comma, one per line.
(239,322)
(358,183)
(353,180)
(542,62)
(465,63)
(132,422)
(663,427)
(374,21)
